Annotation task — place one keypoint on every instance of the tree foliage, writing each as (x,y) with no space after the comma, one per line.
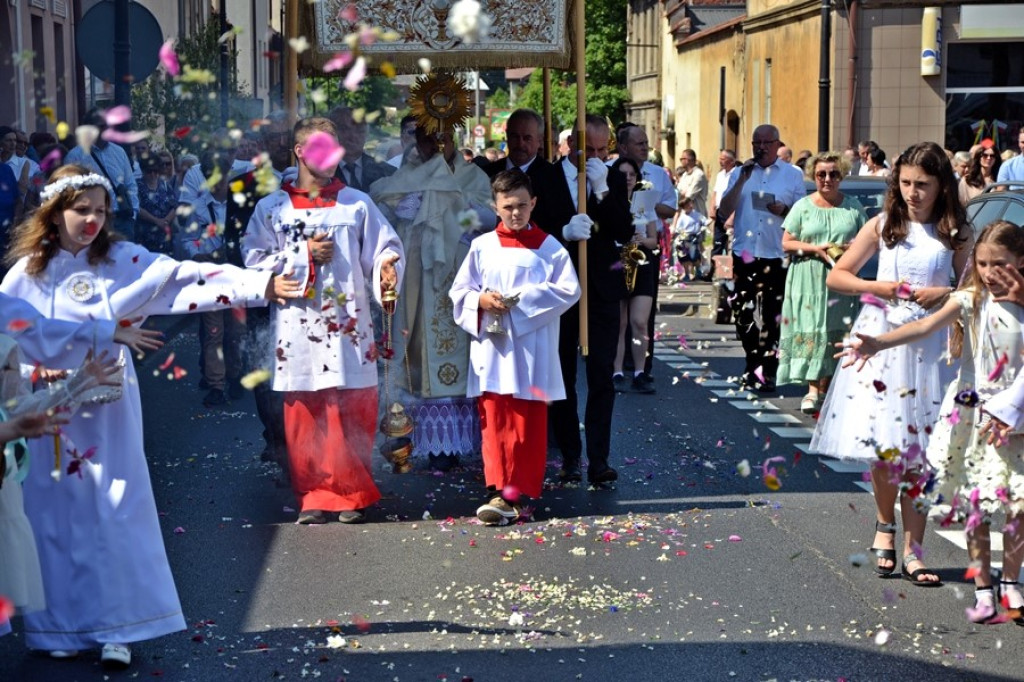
(374,93)
(606,91)
(194,105)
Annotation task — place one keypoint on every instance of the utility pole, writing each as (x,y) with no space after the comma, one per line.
(824,83)
(225,48)
(122,54)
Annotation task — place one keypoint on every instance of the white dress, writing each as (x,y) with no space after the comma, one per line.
(105,570)
(894,401)
(963,460)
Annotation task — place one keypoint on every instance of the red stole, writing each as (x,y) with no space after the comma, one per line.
(530,237)
(325,197)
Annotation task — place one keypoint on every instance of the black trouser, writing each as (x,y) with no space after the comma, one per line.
(269,403)
(761,282)
(563,415)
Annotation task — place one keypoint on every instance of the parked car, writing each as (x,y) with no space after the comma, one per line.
(1004,201)
(870,191)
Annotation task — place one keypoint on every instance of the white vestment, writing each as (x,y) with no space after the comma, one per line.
(325,340)
(102,553)
(524,361)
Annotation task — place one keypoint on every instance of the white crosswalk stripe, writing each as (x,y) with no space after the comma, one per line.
(763,411)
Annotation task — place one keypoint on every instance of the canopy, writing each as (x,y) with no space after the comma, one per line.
(535,33)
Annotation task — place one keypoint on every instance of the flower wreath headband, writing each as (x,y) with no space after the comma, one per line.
(75,182)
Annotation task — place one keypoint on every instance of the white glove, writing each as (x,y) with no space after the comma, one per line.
(597,174)
(578,229)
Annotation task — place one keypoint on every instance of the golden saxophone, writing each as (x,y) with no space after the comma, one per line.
(632,258)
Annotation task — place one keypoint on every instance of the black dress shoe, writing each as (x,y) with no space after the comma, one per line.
(606,475)
(570,472)
(215,398)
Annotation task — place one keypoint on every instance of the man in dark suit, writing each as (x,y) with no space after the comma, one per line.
(357,170)
(556,214)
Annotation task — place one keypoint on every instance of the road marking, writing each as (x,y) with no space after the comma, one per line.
(753,404)
(778,418)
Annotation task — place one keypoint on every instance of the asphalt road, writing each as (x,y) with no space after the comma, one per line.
(688,570)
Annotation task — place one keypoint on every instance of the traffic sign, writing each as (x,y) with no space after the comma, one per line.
(94,37)
(479,131)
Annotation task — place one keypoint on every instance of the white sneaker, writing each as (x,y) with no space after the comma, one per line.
(116,656)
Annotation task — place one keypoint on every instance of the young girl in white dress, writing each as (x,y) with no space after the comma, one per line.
(977,453)
(882,416)
(105,571)
(24,414)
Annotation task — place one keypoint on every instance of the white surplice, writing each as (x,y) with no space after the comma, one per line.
(105,569)
(326,339)
(524,362)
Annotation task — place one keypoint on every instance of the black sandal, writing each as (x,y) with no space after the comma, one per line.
(914,577)
(890,554)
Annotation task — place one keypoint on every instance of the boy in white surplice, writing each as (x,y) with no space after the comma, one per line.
(509,294)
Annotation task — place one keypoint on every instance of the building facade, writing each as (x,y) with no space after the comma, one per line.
(729,67)
(39,63)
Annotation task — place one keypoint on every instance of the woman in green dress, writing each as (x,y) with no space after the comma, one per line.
(816,232)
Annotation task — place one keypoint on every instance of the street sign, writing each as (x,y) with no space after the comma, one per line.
(479,131)
(94,37)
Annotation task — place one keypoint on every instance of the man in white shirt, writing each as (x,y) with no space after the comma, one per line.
(727,163)
(406,137)
(692,183)
(633,144)
(759,196)
(1014,168)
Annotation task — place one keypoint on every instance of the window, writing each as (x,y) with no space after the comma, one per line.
(984,94)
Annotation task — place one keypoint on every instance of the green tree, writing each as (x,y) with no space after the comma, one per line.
(606,70)
(499,99)
(192,105)
(374,93)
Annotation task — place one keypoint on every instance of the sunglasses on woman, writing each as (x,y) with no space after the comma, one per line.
(827,175)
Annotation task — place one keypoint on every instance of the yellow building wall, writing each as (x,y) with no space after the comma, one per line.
(782,79)
(695,87)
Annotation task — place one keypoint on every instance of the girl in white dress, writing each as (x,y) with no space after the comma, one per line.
(105,571)
(24,414)
(977,454)
(883,415)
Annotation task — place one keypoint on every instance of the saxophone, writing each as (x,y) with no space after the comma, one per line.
(632,258)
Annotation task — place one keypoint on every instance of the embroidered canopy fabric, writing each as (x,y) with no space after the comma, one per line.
(535,33)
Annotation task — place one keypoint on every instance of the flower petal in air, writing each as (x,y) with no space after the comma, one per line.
(115,116)
(322,151)
(355,75)
(169,58)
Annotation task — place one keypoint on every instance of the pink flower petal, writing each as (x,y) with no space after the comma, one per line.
(169,59)
(746,256)
(735,538)
(338,62)
(355,75)
(322,151)
(50,161)
(871,299)
(904,291)
(115,116)
(348,13)
(998,369)
(130,137)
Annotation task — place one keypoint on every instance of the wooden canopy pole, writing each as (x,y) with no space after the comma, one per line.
(291,61)
(549,153)
(581,164)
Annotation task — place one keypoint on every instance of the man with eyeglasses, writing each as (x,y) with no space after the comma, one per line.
(757,199)
(1014,168)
